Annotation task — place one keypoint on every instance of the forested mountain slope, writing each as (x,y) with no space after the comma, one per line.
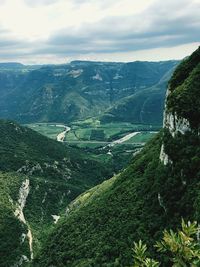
(39,177)
(145,106)
(160,186)
(81,89)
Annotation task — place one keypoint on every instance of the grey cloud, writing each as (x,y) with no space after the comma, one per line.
(11,47)
(9,42)
(69,39)
(6,43)
(164,24)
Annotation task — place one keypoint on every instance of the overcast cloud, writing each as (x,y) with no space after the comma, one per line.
(56,31)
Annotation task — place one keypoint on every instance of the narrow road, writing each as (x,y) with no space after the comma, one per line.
(99,142)
(124,139)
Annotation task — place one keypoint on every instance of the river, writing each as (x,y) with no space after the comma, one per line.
(61,136)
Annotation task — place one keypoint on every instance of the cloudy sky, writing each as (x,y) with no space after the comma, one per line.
(57,31)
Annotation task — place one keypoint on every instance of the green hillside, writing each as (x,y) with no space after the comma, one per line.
(46,176)
(145,106)
(157,189)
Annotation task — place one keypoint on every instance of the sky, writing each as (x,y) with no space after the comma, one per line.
(58,31)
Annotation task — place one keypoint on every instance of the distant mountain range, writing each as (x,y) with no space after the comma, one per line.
(132,92)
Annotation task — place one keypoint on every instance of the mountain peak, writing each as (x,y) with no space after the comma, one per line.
(11,65)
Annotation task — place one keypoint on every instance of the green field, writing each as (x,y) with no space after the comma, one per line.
(142,137)
(84,130)
(91,133)
(48,129)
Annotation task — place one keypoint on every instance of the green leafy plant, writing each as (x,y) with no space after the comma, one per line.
(140,256)
(182,248)
(182,245)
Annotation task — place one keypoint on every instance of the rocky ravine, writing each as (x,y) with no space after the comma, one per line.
(23,194)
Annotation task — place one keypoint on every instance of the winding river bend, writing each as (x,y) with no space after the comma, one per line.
(61,136)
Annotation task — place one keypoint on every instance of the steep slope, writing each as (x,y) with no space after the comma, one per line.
(14,245)
(144,106)
(78,90)
(161,185)
(39,177)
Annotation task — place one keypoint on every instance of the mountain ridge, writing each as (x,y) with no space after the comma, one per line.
(78,91)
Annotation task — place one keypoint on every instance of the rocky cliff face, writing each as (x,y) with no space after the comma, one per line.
(181,107)
(174,125)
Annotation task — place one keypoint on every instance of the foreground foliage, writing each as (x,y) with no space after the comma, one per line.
(181,247)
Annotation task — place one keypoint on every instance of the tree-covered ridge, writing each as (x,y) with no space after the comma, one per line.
(27,151)
(19,144)
(185,99)
(184,69)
